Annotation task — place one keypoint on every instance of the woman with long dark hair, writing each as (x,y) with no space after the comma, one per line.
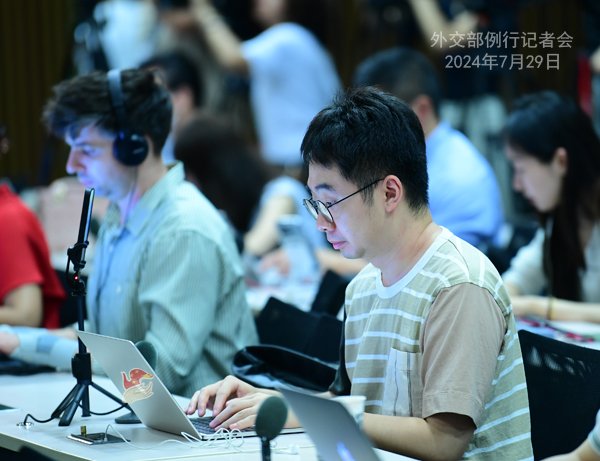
(555,153)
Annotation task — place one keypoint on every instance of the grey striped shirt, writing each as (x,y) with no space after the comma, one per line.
(172,276)
(442,339)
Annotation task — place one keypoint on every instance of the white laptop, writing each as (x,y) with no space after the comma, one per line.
(332,429)
(141,388)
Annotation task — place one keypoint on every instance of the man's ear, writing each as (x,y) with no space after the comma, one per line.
(394,192)
(561,160)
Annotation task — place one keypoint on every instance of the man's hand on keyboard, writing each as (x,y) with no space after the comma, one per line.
(240,413)
(233,402)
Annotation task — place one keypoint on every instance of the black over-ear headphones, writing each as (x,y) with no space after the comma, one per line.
(129,148)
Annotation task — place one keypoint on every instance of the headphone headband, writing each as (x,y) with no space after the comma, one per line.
(116,97)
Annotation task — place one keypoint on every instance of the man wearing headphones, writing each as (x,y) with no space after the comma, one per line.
(166,268)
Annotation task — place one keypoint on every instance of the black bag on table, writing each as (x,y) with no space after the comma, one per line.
(276,367)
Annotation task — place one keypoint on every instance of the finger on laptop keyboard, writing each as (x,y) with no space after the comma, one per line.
(231,387)
(236,419)
(240,412)
(203,399)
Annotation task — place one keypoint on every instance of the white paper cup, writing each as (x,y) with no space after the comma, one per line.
(355,404)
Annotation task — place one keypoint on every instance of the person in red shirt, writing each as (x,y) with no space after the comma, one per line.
(30,291)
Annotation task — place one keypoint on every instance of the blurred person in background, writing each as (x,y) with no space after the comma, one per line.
(31,293)
(219,161)
(464,195)
(292,75)
(181,76)
(449,30)
(555,153)
(129,31)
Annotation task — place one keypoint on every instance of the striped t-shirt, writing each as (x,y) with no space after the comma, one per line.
(440,340)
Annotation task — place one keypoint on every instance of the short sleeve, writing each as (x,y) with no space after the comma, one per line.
(461,340)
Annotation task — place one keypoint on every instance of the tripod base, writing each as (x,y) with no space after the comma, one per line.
(79,395)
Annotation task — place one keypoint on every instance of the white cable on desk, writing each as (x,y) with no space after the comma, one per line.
(221,437)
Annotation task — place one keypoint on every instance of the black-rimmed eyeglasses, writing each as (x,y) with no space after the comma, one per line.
(315,207)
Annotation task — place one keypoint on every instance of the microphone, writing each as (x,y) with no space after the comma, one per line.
(148,351)
(76,253)
(269,422)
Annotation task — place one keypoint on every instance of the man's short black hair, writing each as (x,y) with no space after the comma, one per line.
(403,72)
(179,70)
(85,100)
(369,134)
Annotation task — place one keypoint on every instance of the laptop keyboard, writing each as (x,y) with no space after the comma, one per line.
(201,425)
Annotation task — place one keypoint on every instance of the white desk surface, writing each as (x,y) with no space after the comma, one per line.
(584,334)
(41,394)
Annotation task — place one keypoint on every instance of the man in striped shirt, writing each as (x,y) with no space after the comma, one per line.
(429,335)
(166,267)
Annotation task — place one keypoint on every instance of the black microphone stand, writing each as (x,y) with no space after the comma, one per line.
(265,444)
(81,363)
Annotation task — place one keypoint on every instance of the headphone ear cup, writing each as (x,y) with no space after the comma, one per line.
(130,151)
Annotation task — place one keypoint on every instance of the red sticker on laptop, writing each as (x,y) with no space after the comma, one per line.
(137,384)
